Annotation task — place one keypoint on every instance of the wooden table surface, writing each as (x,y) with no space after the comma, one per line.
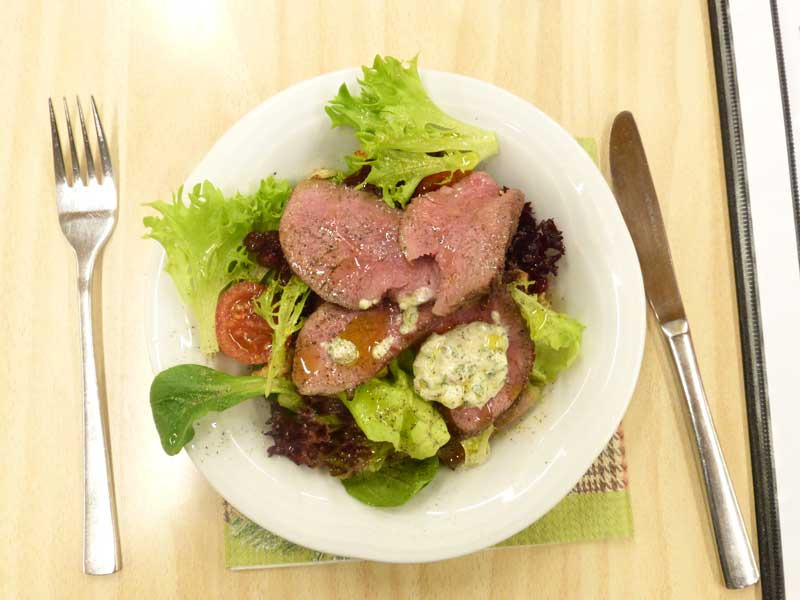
(170,77)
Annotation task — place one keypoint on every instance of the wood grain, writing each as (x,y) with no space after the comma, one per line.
(170,77)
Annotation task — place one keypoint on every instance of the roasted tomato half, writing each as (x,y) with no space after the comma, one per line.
(242,333)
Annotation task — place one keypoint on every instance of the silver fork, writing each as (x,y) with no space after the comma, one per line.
(87,212)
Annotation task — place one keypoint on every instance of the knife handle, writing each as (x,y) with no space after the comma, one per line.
(735,554)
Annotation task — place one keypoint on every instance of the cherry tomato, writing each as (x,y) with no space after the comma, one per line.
(243,334)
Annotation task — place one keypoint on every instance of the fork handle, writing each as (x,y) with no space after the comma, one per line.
(101,553)
(735,554)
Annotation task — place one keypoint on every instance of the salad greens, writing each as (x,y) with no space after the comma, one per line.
(281,305)
(404,136)
(476,448)
(395,484)
(556,336)
(387,409)
(203,242)
(181,395)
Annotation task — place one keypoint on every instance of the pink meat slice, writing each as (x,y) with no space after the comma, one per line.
(313,370)
(526,400)
(344,244)
(466,228)
(315,373)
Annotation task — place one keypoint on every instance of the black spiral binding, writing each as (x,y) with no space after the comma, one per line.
(755,381)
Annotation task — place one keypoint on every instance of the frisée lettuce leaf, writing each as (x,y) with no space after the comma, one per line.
(203,243)
(404,136)
(281,305)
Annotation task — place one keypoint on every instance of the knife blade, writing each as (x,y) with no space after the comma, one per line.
(636,197)
(637,200)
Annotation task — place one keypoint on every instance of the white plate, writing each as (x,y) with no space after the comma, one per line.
(533,466)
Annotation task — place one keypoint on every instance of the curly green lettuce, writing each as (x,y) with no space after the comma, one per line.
(203,243)
(404,136)
(556,336)
(281,305)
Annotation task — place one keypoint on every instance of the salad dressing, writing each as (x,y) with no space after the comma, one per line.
(366,332)
(364,338)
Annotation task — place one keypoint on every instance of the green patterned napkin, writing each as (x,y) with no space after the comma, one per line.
(597,508)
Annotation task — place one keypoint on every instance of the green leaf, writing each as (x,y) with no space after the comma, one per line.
(181,395)
(400,128)
(203,242)
(476,448)
(281,306)
(289,398)
(395,484)
(389,410)
(556,336)
(405,360)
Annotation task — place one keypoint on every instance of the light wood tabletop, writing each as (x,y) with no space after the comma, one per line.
(170,76)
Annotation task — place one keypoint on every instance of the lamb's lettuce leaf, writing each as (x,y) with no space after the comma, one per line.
(181,395)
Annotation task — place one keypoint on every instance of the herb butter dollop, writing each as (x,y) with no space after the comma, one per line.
(465,366)
(380,349)
(341,351)
(416,298)
(410,318)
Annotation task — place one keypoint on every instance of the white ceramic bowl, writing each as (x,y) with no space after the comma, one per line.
(532,467)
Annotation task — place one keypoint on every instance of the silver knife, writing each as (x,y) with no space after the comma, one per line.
(636,196)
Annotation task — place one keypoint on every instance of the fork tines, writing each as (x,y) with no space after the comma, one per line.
(58,157)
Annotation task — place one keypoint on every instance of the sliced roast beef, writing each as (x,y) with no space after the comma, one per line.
(526,400)
(469,420)
(466,228)
(316,373)
(344,244)
(452,453)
